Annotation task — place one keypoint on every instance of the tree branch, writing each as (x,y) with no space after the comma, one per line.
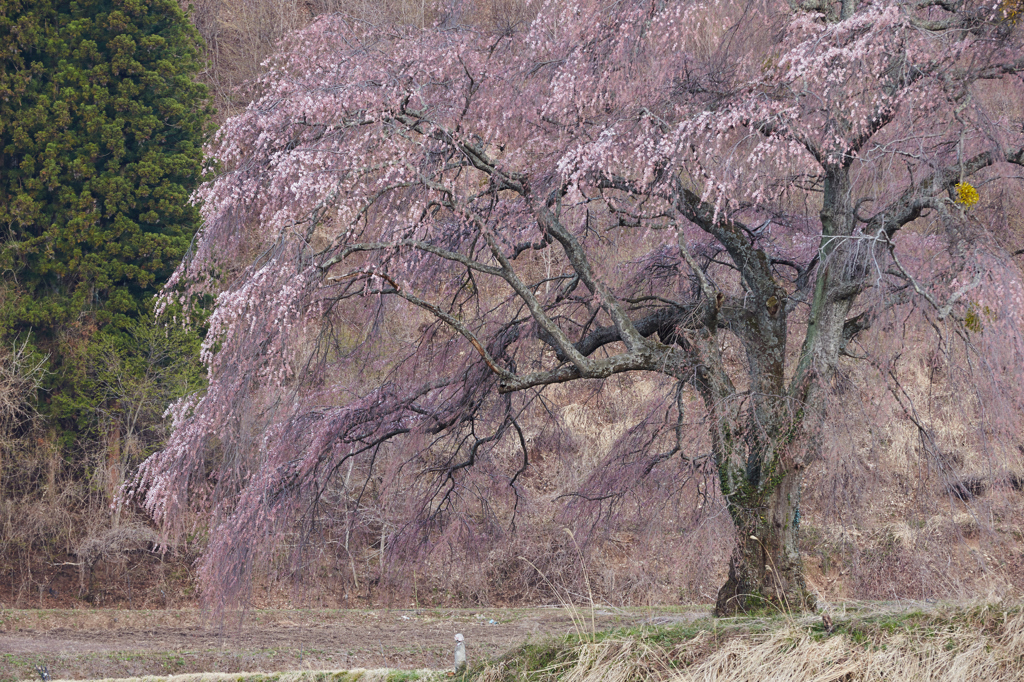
(917,197)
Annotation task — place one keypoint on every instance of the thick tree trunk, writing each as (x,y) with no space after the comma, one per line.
(766,571)
(763,493)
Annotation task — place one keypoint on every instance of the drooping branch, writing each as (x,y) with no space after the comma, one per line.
(942,309)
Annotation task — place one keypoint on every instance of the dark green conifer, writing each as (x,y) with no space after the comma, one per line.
(101,129)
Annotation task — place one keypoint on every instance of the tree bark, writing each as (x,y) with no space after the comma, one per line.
(766,570)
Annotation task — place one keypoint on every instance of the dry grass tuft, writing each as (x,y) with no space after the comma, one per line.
(795,655)
(618,660)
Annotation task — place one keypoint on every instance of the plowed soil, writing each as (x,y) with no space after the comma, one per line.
(90,644)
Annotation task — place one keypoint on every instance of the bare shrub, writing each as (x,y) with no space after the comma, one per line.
(20,377)
(115,545)
(133,537)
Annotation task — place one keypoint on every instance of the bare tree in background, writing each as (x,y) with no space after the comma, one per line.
(443,222)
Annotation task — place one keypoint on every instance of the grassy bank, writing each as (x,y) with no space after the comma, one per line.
(877,643)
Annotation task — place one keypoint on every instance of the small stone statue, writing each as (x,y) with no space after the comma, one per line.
(460,654)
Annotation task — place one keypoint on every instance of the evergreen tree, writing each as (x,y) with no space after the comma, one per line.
(101,130)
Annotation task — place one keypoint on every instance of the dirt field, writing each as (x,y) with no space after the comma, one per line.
(85,644)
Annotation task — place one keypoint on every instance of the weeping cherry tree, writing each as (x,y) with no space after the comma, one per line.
(722,195)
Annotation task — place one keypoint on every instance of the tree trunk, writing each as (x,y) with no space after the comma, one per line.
(761,480)
(766,571)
